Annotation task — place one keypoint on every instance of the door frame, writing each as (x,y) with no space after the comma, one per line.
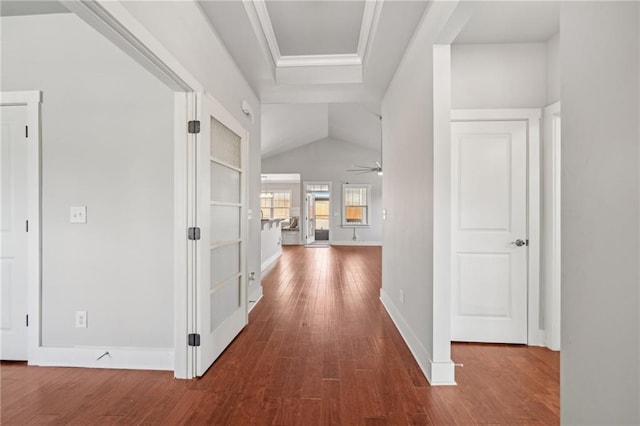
(552,315)
(304,197)
(535,336)
(116,23)
(32,100)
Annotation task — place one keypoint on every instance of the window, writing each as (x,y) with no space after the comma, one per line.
(275,204)
(355,205)
(317,187)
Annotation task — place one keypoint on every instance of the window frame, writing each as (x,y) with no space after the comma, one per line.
(271,208)
(367,188)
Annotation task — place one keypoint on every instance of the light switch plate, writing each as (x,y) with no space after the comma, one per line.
(78,214)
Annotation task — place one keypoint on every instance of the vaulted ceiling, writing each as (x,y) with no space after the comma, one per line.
(289,126)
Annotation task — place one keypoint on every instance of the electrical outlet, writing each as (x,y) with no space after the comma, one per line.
(78,214)
(81,319)
(402,295)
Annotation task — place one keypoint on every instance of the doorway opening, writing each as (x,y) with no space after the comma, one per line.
(317,214)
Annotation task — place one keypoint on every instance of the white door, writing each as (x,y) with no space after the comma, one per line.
(13,252)
(489,232)
(310,219)
(221,290)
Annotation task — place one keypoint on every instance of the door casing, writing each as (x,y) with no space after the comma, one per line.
(304,198)
(535,336)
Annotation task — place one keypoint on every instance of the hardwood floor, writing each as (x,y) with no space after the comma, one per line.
(319,349)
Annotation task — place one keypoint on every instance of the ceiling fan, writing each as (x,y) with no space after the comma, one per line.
(367,169)
(378,164)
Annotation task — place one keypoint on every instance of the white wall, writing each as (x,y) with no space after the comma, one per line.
(328,160)
(107,143)
(407,255)
(498,75)
(600,357)
(185,32)
(552,47)
(270,244)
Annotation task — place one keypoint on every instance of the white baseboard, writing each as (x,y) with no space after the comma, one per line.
(539,340)
(269,263)
(356,243)
(121,358)
(254,299)
(437,373)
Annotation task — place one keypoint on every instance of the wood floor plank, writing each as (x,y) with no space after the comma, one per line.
(319,349)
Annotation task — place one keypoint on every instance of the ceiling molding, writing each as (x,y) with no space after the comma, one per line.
(319,60)
(263,27)
(267,29)
(370,19)
(254,21)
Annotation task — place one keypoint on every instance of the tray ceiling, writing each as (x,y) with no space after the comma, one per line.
(316,27)
(307,51)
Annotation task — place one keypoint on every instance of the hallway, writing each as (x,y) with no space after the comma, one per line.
(319,349)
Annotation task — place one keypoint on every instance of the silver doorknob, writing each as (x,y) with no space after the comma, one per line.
(518,243)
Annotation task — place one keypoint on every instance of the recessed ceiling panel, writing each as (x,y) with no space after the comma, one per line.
(316,27)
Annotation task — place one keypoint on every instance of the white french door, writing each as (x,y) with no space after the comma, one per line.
(14,244)
(489,231)
(220,214)
(310,219)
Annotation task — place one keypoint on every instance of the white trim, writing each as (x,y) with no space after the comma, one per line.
(120,358)
(438,374)
(32,100)
(182,112)
(268,264)
(266,27)
(253,304)
(442,203)
(553,289)
(529,114)
(368,29)
(356,243)
(532,117)
(319,60)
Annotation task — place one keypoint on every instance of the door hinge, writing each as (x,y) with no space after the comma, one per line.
(194,339)
(27,320)
(26,131)
(27,225)
(194,126)
(526,243)
(194,233)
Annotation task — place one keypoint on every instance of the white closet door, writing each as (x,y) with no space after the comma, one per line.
(489,232)
(13,249)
